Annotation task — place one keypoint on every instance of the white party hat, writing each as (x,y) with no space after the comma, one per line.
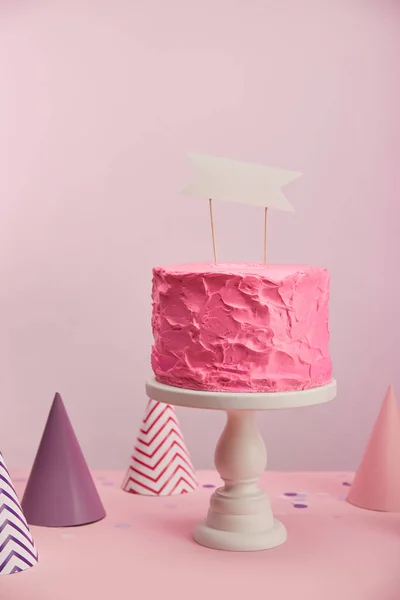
(17,548)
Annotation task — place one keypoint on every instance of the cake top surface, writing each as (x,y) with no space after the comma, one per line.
(274,272)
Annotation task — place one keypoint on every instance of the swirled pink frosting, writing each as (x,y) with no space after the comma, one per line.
(241,327)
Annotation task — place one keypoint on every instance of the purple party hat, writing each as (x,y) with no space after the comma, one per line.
(17,548)
(60,491)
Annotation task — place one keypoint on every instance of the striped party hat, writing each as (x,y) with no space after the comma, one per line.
(17,548)
(160,463)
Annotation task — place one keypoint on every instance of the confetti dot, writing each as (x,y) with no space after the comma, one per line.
(122,525)
(290,494)
(208,485)
(346,483)
(298,505)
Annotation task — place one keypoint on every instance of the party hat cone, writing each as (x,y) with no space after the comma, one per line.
(17,548)
(376,484)
(160,463)
(60,491)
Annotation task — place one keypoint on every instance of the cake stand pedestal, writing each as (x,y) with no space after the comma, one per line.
(240,516)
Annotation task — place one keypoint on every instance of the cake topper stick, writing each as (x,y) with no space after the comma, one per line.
(265,233)
(213,231)
(234,181)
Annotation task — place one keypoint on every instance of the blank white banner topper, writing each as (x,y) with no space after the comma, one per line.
(234,181)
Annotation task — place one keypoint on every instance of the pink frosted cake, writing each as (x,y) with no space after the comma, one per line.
(241,327)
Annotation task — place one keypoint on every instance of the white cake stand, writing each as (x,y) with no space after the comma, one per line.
(240,516)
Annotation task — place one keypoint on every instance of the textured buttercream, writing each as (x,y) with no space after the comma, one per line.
(241,327)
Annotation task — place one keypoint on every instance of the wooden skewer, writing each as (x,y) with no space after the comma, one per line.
(265,234)
(213,231)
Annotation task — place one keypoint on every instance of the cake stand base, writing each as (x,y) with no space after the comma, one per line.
(240,516)
(240,541)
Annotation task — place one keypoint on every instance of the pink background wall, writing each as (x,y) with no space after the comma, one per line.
(99,102)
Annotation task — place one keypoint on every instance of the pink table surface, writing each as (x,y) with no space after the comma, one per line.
(144,549)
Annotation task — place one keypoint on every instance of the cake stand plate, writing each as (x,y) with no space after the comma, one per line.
(240,516)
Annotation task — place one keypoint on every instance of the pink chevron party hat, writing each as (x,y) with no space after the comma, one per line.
(376,485)
(160,463)
(17,548)
(60,491)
